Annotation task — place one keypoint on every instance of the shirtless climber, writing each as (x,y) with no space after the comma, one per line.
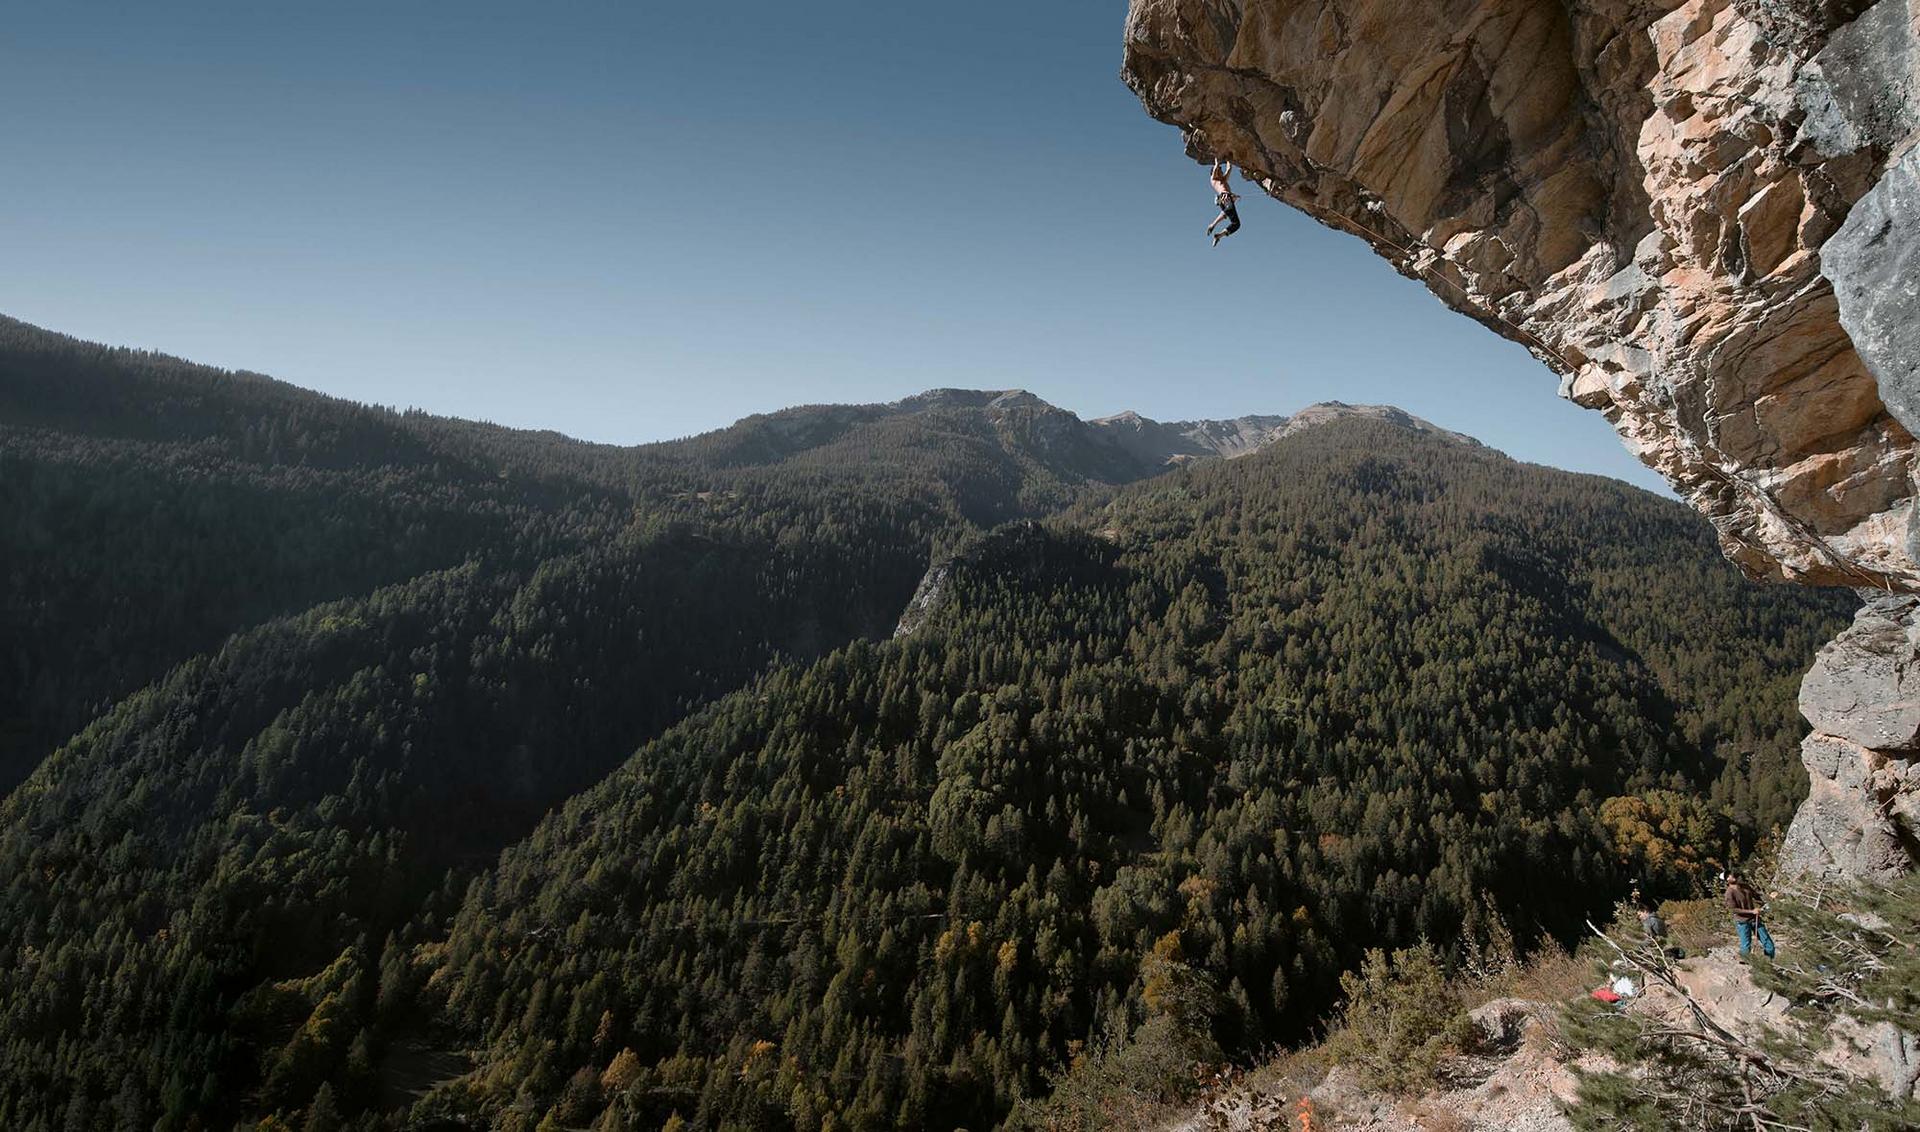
(1224,195)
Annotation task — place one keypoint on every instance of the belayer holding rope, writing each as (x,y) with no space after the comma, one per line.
(1744,902)
(1224,195)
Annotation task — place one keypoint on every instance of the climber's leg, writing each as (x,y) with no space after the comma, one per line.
(1232,216)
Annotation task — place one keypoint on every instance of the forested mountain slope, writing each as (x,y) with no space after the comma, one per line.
(312,654)
(149,507)
(1154,772)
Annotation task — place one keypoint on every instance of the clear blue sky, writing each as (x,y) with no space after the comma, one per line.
(637,221)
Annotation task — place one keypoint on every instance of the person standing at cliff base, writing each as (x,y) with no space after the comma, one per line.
(1745,903)
(1224,195)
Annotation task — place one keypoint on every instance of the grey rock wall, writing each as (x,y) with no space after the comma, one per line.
(1874,263)
(1862,697)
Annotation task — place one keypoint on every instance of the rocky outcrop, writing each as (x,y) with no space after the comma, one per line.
(1176,442)
(927,597)
(1862,813)
(1515,1078)
(1700,213)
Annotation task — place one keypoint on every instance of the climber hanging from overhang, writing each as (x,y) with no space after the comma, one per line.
(1224,195)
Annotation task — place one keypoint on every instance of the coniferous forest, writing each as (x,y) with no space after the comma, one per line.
(850,767)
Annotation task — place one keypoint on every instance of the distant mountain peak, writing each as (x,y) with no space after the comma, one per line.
(1323,412)
(951,398)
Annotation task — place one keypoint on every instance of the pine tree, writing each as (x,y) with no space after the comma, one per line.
(323,1115)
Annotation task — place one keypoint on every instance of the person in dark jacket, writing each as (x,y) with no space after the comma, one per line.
(1745,904)
(1654,927)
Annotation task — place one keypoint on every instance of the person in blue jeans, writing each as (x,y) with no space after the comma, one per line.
(1745,903)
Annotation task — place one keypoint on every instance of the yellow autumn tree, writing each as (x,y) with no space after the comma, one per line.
(622,1071)
(1667,837)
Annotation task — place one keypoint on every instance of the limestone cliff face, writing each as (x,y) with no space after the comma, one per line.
(1704,215)
(1862,813)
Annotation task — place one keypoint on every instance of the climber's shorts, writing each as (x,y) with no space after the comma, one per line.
(1231,213)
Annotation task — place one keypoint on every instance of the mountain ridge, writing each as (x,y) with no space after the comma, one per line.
(781,433)
(1153,444)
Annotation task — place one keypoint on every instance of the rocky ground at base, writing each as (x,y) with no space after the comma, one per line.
(1520,1074)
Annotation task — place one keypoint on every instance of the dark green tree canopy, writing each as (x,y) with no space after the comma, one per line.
(286,675)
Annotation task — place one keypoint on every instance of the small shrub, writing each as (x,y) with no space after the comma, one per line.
(1401,1019)
(1165,1061)
(1134,1084)
(1491,955)
(1550,974)
(1697,926)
